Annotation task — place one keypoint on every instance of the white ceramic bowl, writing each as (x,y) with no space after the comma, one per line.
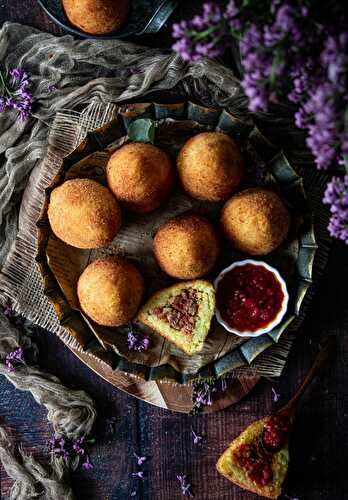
(281,312)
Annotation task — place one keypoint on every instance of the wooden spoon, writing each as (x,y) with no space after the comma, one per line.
(284,417)
(323,356)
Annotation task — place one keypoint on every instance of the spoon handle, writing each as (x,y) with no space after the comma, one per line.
(323,356)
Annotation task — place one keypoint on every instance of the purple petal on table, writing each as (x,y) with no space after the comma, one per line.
(184,485)
(139,474)
(276,395)
(196,437)
(140,460)
(87,464)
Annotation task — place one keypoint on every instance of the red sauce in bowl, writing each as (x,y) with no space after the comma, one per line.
(249,297)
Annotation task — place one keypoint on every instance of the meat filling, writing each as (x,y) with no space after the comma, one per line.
(181,312)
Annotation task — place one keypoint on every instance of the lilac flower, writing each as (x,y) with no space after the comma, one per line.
(140,460)
(139,474)
(15,94)
(276,395)
(137,342)
(18,76)
(202,36)
(69,449)
(336,195)
(52,88)
(196,437)
(78,446)
(87,464)
(185,487)
(204,394)
(258,67)
(57,445)
(14,358)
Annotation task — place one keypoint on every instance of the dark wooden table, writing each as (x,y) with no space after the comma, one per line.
(320,440)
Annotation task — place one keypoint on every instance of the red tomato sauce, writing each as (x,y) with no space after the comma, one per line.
(249,297)
(256,457)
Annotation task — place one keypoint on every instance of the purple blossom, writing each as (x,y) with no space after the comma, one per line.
(196,437)
(140,460)
(139,474)
(204,394)
(203,36)
(58,446)
(137,342)
(87,464)
(276,395)
(14,358)
(68,449)
(184,485)
(336,195)
(15,93)
(52,88)
(18,75)
(78,446)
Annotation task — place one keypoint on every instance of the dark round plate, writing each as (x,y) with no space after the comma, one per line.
(146,16)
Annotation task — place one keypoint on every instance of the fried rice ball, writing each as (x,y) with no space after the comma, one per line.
(84,214)
(140,176)
(187,246)
(110,291)
(210,166)
(97,17)
(255,221)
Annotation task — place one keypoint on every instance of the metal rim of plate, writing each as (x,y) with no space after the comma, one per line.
(174,397)
(157,18)
(292,186)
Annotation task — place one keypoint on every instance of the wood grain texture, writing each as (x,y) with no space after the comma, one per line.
(320,438)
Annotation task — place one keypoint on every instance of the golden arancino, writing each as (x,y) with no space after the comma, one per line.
(97,17)
(140,176)
(84,214)
(210,166)
(255,221)
(187,246)
(110,291)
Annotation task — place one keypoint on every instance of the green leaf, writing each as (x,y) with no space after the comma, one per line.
(142,130)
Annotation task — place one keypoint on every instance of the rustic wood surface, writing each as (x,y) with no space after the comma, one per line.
(320,439)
